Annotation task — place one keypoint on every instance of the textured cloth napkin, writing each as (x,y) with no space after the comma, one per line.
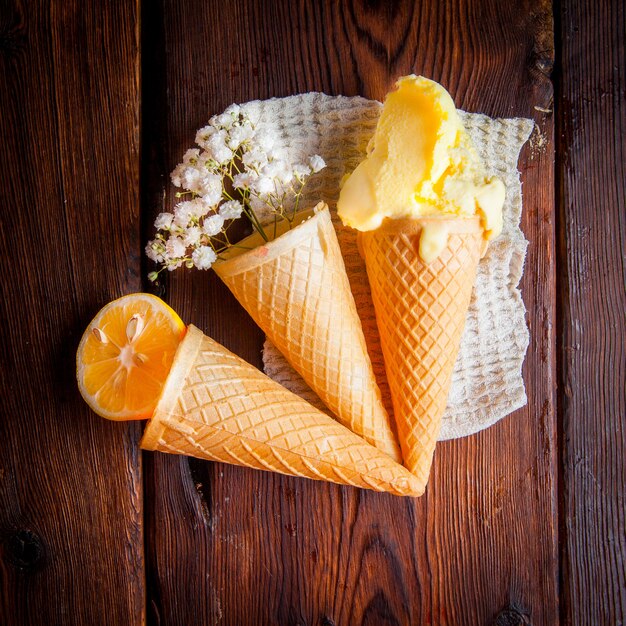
(487,380)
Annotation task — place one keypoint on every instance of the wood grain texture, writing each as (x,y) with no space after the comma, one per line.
(592,240)
(233,546)
(70,483)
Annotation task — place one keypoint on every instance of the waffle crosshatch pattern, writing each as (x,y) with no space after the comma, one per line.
(420,311)
(297,291)
(216,406)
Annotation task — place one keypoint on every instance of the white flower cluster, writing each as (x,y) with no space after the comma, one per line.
(237,171)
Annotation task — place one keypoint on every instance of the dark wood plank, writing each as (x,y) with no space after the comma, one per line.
(592,240)
(234,546)
(71,528)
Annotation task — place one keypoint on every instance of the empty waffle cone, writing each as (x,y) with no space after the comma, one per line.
(216,406)
(296,289)
(420,313)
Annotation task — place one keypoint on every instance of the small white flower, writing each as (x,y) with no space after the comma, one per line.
(175,248)
(191,157)
(201,206)
(234,139)
(191,177)
(206,160)
(231,210)
(210,185)
(222,121)
(216,148)
(254,158)
(238,135)
(203,135)
(244,180)
(222,154)
(211,199)
(177,175)
(301,171)
(203,257)
(163,221)
(184,213)
(316,163)
(212,224)
(192,236)
(153,251)
(232,109)
(264,185)
(218,138)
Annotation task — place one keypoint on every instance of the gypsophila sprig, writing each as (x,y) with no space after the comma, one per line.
(236,172)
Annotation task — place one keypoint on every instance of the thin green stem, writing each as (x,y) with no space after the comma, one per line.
(255,222)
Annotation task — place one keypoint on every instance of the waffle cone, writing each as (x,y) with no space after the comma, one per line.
(296,289)
(420,313)
(216,406)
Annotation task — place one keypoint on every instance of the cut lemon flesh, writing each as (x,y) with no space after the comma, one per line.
(126,354)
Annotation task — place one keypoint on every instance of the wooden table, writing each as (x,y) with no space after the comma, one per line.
(524,523)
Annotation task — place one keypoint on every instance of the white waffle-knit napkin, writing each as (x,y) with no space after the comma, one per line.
(487,380)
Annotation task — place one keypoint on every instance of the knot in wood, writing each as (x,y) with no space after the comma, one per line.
(23,549)
(512,616)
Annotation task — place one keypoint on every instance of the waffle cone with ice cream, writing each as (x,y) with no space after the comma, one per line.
(420,311)
(425,209)
(216,406)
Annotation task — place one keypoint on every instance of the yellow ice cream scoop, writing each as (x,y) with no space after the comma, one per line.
(421,163)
